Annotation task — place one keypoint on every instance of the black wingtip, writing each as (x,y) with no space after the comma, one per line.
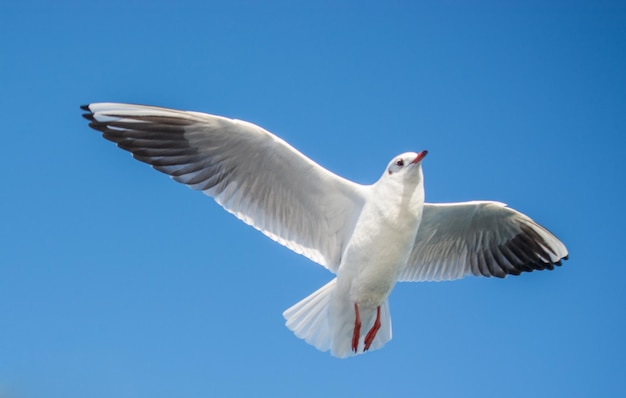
(88,116)
(560,262)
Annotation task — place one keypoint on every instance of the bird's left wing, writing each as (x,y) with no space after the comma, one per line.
(250,172)
(480,238)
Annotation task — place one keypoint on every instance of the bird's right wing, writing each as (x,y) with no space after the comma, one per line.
(250,172)
(480,238)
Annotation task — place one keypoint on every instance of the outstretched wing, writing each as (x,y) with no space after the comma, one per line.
(249,171)
(480,238)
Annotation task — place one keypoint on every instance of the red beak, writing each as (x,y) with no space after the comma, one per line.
(419,157)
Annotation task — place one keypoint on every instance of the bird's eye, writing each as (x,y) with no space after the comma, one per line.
(400,163)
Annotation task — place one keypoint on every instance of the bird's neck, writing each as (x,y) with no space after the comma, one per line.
(399,204)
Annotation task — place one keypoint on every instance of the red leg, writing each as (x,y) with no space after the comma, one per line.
(356,335)
(369,338)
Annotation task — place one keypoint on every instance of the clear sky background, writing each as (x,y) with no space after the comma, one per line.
(117,282)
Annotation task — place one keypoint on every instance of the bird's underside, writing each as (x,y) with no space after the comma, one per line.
(271,186)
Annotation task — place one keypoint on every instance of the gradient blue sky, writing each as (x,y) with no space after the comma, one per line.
(117,282)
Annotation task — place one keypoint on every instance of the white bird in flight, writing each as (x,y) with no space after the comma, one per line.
(370,236)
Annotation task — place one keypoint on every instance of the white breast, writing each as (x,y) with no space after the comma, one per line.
(380,246)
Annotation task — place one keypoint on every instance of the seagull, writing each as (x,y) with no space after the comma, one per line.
(370,236)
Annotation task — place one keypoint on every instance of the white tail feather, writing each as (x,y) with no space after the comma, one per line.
(309,319)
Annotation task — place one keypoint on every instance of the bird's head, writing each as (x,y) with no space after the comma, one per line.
(403,179)
(403,172)
(408,165)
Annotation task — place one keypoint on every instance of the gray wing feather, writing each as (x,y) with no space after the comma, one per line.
(250,172)
(479,238)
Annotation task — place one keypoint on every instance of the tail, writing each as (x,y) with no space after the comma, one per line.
(310,318)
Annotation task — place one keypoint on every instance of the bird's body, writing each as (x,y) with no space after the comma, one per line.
(369,270)
(370,236)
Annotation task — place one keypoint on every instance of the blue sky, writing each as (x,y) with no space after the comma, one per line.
(117,282)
